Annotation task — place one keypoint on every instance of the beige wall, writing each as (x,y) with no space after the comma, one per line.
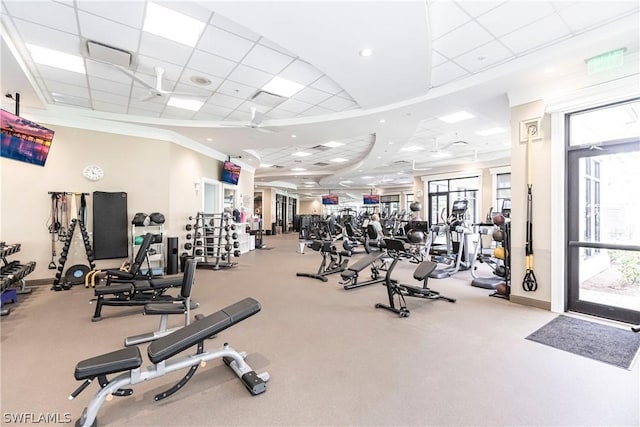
(542,187)
(158,176)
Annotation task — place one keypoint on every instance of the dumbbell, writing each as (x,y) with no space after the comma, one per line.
(188,227)
(236,253)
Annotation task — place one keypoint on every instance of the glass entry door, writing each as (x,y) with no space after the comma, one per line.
(604,229)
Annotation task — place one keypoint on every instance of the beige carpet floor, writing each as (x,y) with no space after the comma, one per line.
(334,359)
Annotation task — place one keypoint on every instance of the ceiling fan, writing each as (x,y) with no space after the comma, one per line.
(157,90)
(254,123)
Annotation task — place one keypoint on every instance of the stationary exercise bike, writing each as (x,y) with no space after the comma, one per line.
(396,250)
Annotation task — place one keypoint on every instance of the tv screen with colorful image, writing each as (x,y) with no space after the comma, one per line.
(330,199)
(230,173)
(370,199)
(24,140)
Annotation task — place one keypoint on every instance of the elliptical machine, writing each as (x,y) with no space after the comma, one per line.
(456,254)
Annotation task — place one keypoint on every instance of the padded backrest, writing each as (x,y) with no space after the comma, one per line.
(349,229)
(424,269)
(188,277)
(372,232)
(142,253)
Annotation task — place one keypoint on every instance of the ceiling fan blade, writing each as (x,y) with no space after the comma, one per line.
(152,95)
(134,77)
(264,130)
(159,73)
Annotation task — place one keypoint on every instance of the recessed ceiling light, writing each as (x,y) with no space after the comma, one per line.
(366,52)
(209,139)
(185,104)
(339,160)
(456,117)
(200,80)
(282,87)
(366,177)
(382,121)
(301,154)
(412,148)
(172,25)
(56,59)
(347,182)
(294,136)
(491,131)
(298,169)
(265,165)
(333,144)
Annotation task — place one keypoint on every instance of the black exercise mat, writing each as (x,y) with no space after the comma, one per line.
(110,225)
(596,341)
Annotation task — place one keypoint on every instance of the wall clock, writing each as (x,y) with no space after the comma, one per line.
(93,173)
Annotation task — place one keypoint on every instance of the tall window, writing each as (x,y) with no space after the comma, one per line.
(591,204)
(443,193)
(408,201)
(503,189)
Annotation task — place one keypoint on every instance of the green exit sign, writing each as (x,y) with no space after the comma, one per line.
(606,61)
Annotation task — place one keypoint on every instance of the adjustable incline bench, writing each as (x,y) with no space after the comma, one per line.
(350,275)
(128,360)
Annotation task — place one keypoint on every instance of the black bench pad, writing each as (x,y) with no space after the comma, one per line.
(168,308)
(114,288)
(360,265)
(172,281)
(116,361)
(424,269)
(200,330)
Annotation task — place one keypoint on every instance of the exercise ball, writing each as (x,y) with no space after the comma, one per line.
(416,236)
(499,253)
(415,207)
(498,235)
(499,219)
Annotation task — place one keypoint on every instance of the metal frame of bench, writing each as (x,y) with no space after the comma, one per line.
(128,360)
(350,275)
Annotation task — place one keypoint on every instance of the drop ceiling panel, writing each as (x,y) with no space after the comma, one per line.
(108,32)
(68,89)
(108,72)
(112,98)
(478,7)
(235,89)
(164,49)
(152,105)
(234,28)
(501,21)
(462,40)
(311,96)
(325,84)
(111,108)
(178,113)
(294,106)
(54,15)
(213,112)
(267,59)
(189,8)
(301,72)
(250,76)
(211,64)
(48,37)
(142,112)
(446,72)
(483,57)
(437,59)
(224,44)
(129,13)
(185,79)
(336,103)
(109,86)
(317,111)
(578,17)
(536,34)
(221,100)
(444,17)
(64,76)
(268,43)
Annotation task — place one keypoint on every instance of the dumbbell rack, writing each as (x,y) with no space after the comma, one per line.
(11,273)
(58,283)
(215,240)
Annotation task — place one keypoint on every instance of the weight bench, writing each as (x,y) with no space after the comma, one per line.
(165,310)
(128,360)
(350,275)
(329,264)
(130,288)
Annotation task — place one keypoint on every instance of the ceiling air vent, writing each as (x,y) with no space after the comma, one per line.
(267,99)
(321,148)
(458,143)
(400,163)
(112,55)
(277,167)
(320,164)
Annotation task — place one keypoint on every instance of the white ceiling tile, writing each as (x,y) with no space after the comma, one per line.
(311,96)
(501,20)
(276,47)
(461,40)
(294,106)
(108,32)
(112,98)
(581,16)
(213,112)
(249,76)
(105,71)
(129,13)
(155,105)
(222,100)
(71,100)
(54,15)
(437,59)
(326,84)
(228,25)
(336,103)
(445,73)
(317,111)
(266,59)
(68,89)
(142,112)
(146,67)
(164,49)
(60,75)
(537,34)
(109,86)
(483,56)
(192,9)
(478,7)
(301,72)
(210,64)
(277,114)
(224,44)
(188,73)
(108,107)
(444,17)
(177,113)
(49,38)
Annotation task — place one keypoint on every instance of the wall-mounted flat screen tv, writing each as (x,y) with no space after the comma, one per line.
(230,173)
(330,199)
(24,140)
(370,199)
